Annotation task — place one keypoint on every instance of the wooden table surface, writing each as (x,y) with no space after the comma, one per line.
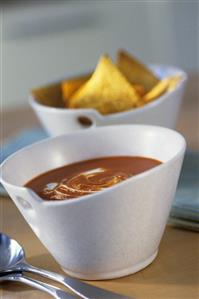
(173,275)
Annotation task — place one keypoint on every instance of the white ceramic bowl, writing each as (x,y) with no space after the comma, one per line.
(162,112)
(111,233)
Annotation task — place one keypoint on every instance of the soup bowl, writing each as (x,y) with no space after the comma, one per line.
(58,120)
(111,233)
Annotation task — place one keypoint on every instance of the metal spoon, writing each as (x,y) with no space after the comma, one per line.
(54,291)
(13,259)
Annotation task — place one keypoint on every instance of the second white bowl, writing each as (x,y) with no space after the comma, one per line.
(162,112)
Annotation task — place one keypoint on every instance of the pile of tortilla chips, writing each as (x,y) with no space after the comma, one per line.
(112,88)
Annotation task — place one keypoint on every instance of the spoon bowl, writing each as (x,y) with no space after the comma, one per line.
(11,253)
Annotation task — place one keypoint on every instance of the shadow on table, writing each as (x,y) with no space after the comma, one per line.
(14,287)
(45,261)
(169,267)
(42,261)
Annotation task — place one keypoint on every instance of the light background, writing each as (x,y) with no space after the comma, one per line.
(43,41)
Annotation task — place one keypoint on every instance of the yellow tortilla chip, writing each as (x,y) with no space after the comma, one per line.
(140,89)
(135,71)
(173,82)
(167,84)
(140,103)
(69,87)
(107,90)
(157,91)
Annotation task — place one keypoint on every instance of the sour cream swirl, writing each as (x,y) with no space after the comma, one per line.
(83,183)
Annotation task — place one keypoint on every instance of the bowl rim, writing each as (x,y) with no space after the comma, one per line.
(38,106)
(82,199)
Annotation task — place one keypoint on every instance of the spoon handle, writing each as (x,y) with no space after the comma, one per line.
(51,290)
(80,288)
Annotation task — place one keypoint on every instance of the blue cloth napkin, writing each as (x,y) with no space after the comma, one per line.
(185,209)
(22,139)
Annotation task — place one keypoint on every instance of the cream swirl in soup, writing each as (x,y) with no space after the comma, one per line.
(84,183)
(87,177)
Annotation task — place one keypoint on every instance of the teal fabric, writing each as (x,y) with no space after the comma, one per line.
(22,139)
(185,208)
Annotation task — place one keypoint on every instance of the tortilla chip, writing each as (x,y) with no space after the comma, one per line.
(140,89)
(157,91)
(173,82)
(69,87)
(135,71)
(107,90)
(140,103)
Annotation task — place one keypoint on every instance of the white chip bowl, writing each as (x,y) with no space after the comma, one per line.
(162,112)
(111,233)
